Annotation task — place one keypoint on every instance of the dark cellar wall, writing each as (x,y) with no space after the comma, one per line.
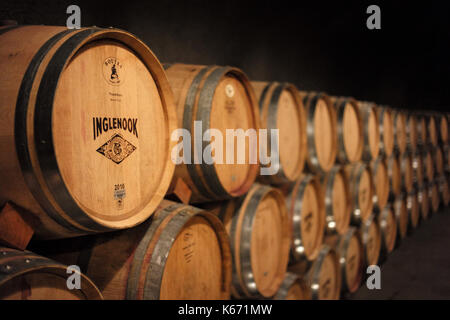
(316,45)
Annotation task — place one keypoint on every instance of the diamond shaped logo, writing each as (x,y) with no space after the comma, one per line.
(116,149)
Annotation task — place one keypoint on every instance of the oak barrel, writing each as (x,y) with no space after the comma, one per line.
(371,131)
(421,129)
(438,159)
(401,216)
(349,130)
(395,176)
(211,100)
(388,228)
(413,208)
(443,129)
(27,276)
(406,170)
(306,210)
(400,138)
(418,168)
(324,277)
(293,287)
(386,125)
(429,164)
(411,131)
(281,107)
(381,180)
(432,129)
(86,121)
(321,131)
(361,188)
(161,259)
(433,195)
(424,201)
(337,199)
(260,238)
(371,239)
(351,260)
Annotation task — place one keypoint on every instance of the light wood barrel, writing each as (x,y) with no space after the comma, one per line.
(413,208)
(351,260)
(337,200)
(281,107)
(293,287)
(388,229)
(428,164)
(444,190)
(401,216)
(258,227)
(88,144)
(324,277)
(421,130)
(361,191)
(349,130)
(443,129)
(306,210)
(433,195)
(163,258)
(84,153)
(400,138)
(371,131)
(438,159)
(411,131)
(432,129)
(321,131)
(386,125)
(211,98)
(418,168)
(27,276)
(424,201)
(395,176)
(371,239)
(381,181)
(406,170)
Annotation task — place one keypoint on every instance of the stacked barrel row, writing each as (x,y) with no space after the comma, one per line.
(94,164)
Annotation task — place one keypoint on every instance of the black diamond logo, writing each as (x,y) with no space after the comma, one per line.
(116,149)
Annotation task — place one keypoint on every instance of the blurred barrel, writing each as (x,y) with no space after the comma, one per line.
(351,260)
(386,125)
(429,164)
(281,107)
(293,287)
(337,200)
(87,146)
(361,188)
(443,129)
(401,216)
(400,138)
(432,130)
(388,229)
(306,210)
(161,259)
(395,176)
(421,130)
(27,276)
(438,159)
(324,278)
(381,181)
(424,201)
(349,130)
(411,131)
(371,131)
(413,208)
(418,168)
(371,239)
(406,170)
(258,227)
(220,98)
(433,195)
(446,156)
(321,131)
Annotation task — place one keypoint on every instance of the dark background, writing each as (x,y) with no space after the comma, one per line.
(314,44)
